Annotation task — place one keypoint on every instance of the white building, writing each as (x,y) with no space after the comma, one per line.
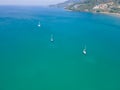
(101,6)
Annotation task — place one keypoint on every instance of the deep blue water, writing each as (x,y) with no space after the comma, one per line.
(30,61)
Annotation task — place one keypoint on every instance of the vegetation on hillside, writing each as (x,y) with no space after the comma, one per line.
(109,6)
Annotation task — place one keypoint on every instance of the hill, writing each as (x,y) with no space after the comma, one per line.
(99,6)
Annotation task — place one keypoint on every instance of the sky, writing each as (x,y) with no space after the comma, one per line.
(30,2)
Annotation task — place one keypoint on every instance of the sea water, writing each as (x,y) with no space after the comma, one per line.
(30,61)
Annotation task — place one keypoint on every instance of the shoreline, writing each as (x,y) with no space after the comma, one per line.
(106,13)
(113,14)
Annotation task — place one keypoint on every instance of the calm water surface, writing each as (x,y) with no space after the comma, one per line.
(29,61)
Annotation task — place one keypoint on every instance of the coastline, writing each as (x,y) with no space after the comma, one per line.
(107,13)
(113,14)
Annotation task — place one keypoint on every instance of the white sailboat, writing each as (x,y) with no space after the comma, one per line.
(39,24)
(51,39)
(84,51)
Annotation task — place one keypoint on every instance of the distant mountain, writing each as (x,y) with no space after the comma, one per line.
(101,6)
(67,3)
(93,2)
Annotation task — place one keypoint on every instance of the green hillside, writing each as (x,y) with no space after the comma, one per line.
(103,6)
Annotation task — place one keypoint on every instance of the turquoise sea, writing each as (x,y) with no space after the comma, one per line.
(30,61)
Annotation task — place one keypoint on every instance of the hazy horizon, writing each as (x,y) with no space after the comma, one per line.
(30,2)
